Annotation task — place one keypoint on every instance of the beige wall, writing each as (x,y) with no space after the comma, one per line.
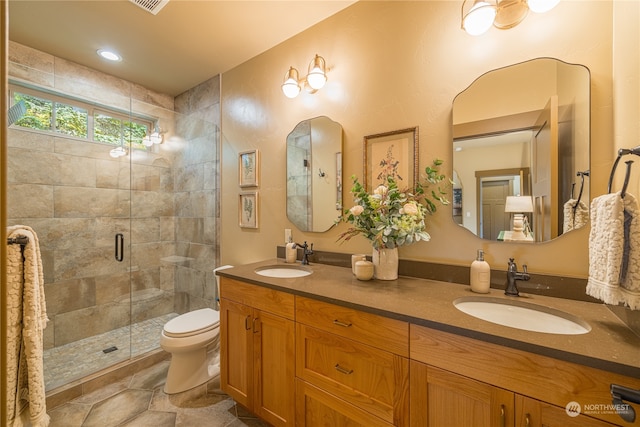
(400,64)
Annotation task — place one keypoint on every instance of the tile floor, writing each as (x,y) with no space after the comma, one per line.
(139,401)
(78,359)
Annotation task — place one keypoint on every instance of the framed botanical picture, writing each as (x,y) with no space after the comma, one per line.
(393,154)
(248,168)
(248,209)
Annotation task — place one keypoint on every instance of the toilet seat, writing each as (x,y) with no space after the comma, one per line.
(192,323)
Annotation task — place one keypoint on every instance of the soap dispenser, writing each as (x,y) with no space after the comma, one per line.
(480,274)
(291,251)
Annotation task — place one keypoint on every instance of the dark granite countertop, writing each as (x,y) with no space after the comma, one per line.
(610,345)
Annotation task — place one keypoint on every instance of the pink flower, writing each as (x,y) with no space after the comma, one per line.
(381,190)
(356,210)
(410,209)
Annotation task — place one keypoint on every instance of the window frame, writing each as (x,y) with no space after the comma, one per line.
(91,108)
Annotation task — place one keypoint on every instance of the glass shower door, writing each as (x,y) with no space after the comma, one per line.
(77,198)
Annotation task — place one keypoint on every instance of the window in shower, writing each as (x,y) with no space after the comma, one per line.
(118,130)
(55,113)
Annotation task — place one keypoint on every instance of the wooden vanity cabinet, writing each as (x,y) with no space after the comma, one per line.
(351,367)
(296,360)
(257,349)
(452,373)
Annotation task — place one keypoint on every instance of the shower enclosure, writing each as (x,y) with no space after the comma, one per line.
(127,242)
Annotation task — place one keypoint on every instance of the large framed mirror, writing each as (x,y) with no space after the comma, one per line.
(521,134)
(314,174)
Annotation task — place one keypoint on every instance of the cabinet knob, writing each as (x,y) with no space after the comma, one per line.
(503,416)
(527,420)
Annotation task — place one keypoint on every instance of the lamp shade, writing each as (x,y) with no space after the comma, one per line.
(518,204)
(317,76)
(541,6)
(480,18)
(291,87)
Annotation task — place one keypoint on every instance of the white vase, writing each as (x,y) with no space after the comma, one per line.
(385,263)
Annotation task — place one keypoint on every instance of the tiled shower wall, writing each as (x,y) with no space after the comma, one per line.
(76,197)
(197,199)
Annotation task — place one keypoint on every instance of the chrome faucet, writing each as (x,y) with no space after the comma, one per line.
(306,251)
(512,275)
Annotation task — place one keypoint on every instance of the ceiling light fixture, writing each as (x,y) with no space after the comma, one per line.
(502,14)
(315,79)
(109,55)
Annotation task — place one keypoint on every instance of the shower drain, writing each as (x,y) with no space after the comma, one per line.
(109,349)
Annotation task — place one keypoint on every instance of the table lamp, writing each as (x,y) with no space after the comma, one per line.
(518,205)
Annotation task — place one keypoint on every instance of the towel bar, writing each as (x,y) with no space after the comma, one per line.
(20,240)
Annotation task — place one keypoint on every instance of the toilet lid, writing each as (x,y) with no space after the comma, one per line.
(193,322)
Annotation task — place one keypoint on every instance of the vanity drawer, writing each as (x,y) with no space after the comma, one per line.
(381,332)
(265,299)
(316,407)
(374,380)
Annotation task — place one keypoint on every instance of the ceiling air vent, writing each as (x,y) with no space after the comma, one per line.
(152,6)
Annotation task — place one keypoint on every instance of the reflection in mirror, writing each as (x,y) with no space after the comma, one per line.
(523,130)
(314,174)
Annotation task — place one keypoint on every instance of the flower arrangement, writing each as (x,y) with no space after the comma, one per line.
(391,217)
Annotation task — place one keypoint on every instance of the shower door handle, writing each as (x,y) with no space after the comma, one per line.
(119,247)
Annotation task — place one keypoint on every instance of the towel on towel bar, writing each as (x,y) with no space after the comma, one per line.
(26,320)
(614,250)
(574,218)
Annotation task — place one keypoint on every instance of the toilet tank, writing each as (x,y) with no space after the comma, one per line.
(215,270)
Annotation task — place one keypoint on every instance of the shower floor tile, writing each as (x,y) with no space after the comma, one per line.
(78,359)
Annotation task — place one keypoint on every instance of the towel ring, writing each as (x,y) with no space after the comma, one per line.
(626,178)
(581,175)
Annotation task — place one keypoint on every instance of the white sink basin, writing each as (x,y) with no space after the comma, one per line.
(283,271)
(522,315)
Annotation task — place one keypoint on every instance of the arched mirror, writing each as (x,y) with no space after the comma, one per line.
(314,174)
(521,137)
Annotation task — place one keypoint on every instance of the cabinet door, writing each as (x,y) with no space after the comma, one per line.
(442,399)
(274,368)
(533,413)
(236,358)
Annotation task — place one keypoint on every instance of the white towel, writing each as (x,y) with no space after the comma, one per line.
(630,274)
(614,250)
(26,320)
(575,218)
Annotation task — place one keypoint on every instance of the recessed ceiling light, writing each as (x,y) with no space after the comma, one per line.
(109,54)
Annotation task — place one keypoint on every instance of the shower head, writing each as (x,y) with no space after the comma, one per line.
(16,111)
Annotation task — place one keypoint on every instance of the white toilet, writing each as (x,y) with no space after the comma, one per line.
(193,341)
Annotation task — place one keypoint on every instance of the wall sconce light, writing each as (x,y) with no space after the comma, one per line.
(502,14)
(315,79)
(156,137)
(518,205)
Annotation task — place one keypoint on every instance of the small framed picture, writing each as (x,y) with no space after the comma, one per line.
(248,209)
(393,154)
(248,168)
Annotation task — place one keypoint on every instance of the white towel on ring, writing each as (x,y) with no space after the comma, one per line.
(574,218)
(614,250)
